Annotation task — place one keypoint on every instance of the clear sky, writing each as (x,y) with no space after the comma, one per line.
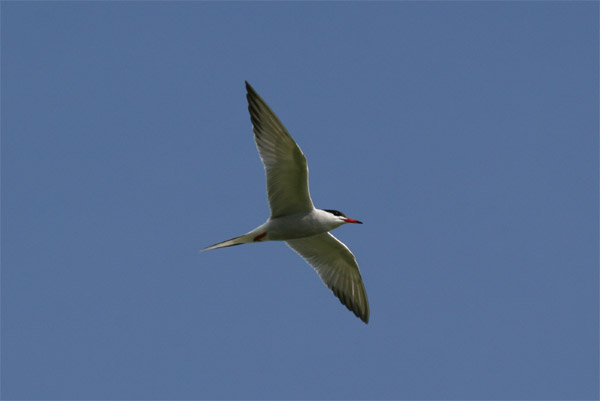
(463,134)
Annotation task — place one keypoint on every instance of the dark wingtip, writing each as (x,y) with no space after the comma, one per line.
(347,302)
(252,96)
(365,319)
(364,316)
(249,88)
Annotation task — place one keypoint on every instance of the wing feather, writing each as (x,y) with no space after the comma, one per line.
(285,164)
(337,267)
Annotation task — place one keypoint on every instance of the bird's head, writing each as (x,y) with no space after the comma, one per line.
(341,217)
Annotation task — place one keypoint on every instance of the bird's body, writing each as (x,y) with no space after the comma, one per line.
(300,225)
(294,219)
(285,228)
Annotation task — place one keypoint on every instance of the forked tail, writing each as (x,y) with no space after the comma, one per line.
(242,239)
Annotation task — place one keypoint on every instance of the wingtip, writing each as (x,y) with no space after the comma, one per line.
(364,316)
(355,308)
(251,95)
(361,314)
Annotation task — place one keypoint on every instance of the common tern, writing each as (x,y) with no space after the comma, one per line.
(294,219)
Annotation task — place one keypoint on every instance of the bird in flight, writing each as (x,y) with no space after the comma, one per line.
(294,219)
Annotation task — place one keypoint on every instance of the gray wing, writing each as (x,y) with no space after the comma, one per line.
(285,164)
(337,268)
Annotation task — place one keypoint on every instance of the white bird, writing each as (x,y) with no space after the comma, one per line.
(294,219)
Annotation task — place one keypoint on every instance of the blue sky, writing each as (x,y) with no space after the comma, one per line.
(464,135)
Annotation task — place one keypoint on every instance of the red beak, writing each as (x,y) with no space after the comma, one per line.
(347,220)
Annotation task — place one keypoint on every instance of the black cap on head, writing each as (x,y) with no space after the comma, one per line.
(335,212)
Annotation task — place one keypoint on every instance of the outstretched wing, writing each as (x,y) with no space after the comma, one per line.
(337,268)
(285,164)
